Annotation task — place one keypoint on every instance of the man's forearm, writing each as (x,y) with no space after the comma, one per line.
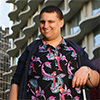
(93,76)
(81,77)
(13,92)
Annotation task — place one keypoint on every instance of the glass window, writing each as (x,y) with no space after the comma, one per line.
(80,43)
(25,8)
(0,36)
(17,36)
(97,36)
(34,15)
(16,60)
(11,42)
(23,48)
(95,6)
(0,45)
(35,35)
(63,31)
(74,23)
(61,6)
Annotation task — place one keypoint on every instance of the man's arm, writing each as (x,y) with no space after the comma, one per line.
(94,77)
(13,92)
(81,77)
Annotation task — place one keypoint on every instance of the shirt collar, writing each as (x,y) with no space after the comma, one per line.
(61,44)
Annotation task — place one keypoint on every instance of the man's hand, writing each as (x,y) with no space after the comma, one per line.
(80,77)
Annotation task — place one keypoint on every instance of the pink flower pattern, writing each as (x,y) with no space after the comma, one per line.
(56,76)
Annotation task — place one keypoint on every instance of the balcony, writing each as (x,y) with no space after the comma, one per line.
(12,52)
(52,2)
(86,26)
(96,52)
(74,7)
(10,1)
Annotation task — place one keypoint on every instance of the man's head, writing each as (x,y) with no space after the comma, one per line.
(52,9)
(51,22)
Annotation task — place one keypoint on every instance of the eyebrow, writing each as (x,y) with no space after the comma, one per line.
(48,20)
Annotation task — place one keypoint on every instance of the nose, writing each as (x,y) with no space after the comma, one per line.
(46,25)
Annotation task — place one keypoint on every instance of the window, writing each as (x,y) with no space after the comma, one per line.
(0,45)
(35,35)
(16,60)
(97,36)
(74,23)
(63,31)
(95,6)
(23,48)
(25,8)
(0,36)
(35,14)
(80,43)
(0,84)
(61,6)
(17,36)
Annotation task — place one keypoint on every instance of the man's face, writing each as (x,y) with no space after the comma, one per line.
(50,25)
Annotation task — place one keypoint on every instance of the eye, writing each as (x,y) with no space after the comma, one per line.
(50,21)
(42,21)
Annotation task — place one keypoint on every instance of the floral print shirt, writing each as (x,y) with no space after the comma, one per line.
(51,71)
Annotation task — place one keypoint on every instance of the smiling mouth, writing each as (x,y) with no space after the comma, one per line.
(46,31)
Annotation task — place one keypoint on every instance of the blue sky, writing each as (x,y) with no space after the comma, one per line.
(4,10)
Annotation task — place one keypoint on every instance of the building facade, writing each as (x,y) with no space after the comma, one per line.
(82,25)
(4,62)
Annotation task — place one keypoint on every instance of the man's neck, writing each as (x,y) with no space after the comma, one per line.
(54,42)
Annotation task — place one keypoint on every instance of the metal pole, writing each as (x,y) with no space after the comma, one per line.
(84,94)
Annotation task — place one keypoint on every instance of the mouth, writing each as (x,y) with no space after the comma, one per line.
(47,31)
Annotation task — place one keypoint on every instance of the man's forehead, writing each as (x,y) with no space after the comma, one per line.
(51,14)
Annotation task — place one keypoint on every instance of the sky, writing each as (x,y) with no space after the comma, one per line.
(4,11)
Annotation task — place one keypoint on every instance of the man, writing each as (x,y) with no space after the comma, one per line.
(49,69)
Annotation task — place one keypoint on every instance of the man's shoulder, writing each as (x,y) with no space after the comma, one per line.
(30,48)
(33,44)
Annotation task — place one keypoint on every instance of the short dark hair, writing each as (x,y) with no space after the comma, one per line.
(50,9)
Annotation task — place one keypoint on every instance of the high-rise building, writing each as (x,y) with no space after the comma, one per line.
(4,63)
(82,25)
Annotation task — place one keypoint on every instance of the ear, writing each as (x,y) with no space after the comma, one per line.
(62,22)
